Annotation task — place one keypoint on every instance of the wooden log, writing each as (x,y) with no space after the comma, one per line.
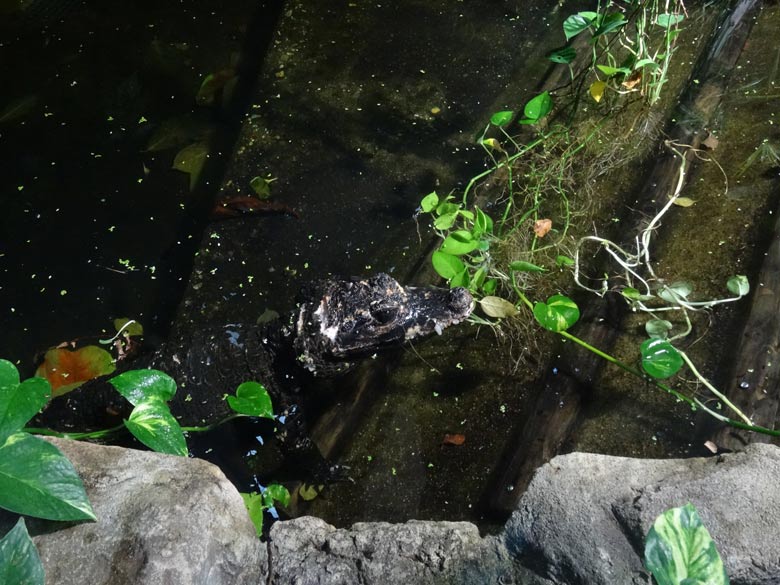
(754,385)
(558,405)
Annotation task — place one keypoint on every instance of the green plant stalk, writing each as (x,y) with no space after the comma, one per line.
(714,390)
(75,436)
(107,432)
(692,402)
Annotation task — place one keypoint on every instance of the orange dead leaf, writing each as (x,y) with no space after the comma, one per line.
(454,439)
(542,226)
(66,370)
(711,142)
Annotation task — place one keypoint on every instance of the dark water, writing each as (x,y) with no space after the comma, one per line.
(95,223)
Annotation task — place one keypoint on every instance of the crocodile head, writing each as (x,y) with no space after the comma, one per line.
(346,319)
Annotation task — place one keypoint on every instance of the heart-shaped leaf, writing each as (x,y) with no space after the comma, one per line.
(557,314)
(252,399)
(576,23)
(36,479)
(152,423)
(19,402)
(738,285)
(458,243)
(660,358)
(447,265)
(141,385)
(19,560)
(563,56)
(429,202)
(537,108)
(502,118)
(679,550)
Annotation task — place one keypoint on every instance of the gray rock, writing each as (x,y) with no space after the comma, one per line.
(310,551)
(161,520)
(584,517)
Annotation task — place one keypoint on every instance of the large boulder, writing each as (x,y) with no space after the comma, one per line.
(584,517)
(161,520)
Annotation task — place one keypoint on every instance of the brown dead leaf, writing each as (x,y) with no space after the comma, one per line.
(542,226)
(711,142)
(633,80)
(454,439)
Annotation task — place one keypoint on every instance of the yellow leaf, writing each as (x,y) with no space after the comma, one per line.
(684,201)
(597,89)
(310,491)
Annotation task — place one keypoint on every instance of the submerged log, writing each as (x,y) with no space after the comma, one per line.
(754,385)
(558,405)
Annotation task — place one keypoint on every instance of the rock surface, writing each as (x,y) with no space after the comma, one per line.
(161,520)
(583,520)
(584,517)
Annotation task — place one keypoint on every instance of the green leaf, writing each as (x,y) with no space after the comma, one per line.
(484,222)
(458,243)
(19,402)
(278,493)
(561,261)
(446,265)
(501,118)
(429,202)
(490,286)
(523,266)
(607,70)
(668,20)
(564,55)
(190,160)
(609,23)
(675,291)
(133,329)
(497,307)
(19,560)
(478,279)
(138,386)
(660,358)
(537,108)
(738,285)
(633,294)
(461,279)
(680,551)
(576,23)
(9,375)
(557,314)
(646,63)
(658,328)
(261,187)
(255,506)
(36,479)
(152,423)
(445,222)
(252,399)
(445,207)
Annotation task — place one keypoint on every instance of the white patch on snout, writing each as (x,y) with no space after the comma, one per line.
(329,332)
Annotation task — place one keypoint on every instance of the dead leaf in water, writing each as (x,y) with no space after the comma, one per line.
(633,80)
(190,160)
(454,439)
(711,142)
(66,369)
(542,226)
(684,201)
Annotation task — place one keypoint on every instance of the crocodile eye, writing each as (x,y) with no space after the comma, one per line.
(384,315)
